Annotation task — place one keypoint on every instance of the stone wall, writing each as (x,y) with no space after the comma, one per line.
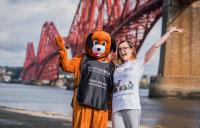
(182,56)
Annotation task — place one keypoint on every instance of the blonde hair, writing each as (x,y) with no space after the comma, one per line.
(131,45)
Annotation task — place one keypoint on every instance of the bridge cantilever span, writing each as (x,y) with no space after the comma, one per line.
(43,66)
(123,18)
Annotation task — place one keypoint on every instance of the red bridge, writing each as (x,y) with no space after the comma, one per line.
(42,66)
(124,19)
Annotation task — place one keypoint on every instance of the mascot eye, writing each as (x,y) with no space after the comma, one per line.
(95,42)
(104,43)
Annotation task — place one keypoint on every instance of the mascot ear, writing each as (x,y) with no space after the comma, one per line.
(89,41)
(113,44)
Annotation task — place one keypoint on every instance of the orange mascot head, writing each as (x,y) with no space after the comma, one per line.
(99,44)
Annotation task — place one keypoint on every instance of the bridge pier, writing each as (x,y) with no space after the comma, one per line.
(180,74)
(188,88)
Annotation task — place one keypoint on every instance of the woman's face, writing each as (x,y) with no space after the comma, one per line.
(125,51)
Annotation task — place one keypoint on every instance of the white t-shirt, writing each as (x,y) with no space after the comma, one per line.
(126,85)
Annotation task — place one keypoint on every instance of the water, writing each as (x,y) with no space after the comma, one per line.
(36,98)
(170,113)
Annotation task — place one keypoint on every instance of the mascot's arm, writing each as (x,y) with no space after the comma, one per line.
(66,64)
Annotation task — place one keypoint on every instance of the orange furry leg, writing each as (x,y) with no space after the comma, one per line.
(88,117)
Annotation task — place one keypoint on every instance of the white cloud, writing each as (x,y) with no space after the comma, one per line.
(13,59)
(4,36)
(22,20)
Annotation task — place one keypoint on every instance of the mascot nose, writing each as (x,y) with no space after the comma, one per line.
(98,49)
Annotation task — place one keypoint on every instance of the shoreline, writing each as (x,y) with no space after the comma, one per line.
(45,114)
(22,118)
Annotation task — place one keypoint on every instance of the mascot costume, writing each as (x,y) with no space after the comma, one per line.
(93,73)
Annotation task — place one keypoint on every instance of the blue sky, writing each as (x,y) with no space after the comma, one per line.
(22,20)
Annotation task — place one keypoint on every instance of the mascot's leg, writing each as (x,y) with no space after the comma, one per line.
(100,119)
(87,117)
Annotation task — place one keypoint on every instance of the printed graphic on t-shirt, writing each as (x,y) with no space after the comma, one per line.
(129,69)
(122,87)
(126,85)
(97,83)
(98,70)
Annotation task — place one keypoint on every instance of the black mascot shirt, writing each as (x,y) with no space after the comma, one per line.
(95,83)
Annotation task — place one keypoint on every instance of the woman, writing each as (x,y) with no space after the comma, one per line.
(126,108)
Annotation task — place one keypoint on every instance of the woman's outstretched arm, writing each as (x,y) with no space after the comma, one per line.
(159,42)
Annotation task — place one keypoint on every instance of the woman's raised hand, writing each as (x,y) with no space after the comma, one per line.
(174,29)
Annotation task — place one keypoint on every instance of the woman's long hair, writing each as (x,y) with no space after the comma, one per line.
(131,45)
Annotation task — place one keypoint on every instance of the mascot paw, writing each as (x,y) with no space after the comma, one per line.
(60,42)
